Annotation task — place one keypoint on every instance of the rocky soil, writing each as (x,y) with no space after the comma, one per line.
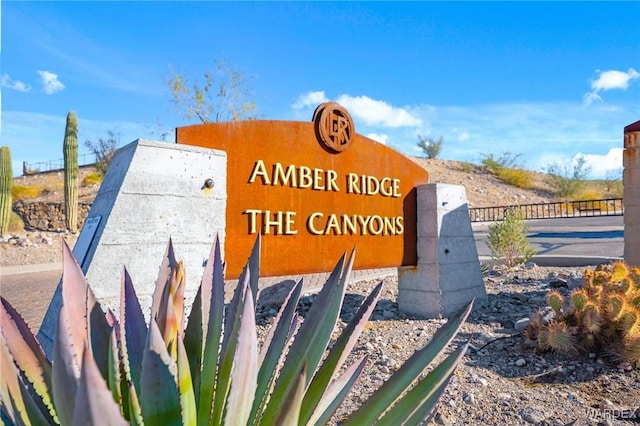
(502,380)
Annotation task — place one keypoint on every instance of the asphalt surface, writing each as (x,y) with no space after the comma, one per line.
(559,242)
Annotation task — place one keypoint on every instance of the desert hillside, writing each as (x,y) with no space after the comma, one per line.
(483,188)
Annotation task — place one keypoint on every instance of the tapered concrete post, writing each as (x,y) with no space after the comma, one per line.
(631,197)
(448,274)
(152,192)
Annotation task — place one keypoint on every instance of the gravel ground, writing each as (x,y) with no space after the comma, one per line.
(501,380)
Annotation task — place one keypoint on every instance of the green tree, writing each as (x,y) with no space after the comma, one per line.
(104,149)
(430,147)
(223,95)
(565,179)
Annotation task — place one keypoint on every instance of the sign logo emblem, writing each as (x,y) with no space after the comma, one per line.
(334,126)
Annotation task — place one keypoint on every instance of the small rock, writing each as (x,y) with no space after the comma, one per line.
(521,362)
(483,382)
(559,283)
(469,398)
(387,314)
(521,324)
(441,419)
(521,297)
(532,415)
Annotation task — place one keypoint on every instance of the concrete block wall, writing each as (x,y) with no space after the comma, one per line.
(152,192)
(448,274)
(631,195)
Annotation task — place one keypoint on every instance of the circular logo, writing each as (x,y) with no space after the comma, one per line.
(334,126)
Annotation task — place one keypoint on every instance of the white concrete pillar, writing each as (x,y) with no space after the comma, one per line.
(448,273)
(631,196)
(152,191)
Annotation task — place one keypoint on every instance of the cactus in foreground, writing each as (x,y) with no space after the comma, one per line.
(114,369)
(71,172)
(603,314)
(6,184)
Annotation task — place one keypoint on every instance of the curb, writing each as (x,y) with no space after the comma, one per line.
(30,269)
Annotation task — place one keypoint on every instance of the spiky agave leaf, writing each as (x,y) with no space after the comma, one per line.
(390,390)
(560,338)
(168,299)
(273,349)
(312,339)
(66,373)
(336,393)
(94,403)
(75,289)
(28,356)
(185,385)
(416,404)
(17,402)
(159,398)
(232,322)
(290,413)
(133,332)
(207,320)
(244,374)
(555,300)
(338,355)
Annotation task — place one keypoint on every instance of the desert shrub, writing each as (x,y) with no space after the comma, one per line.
(467,167)
(601,315)
(518,177)
(507,239)
(508,160)
(566,179)
(92,179)
(211,368)
(430,147)
(21,192)
(104,150)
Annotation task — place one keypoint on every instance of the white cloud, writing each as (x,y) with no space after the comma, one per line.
(609,80)
(378,113)
(310,99)
(464,136)
(602,165)
(379,137)
(50,82)
(6,81)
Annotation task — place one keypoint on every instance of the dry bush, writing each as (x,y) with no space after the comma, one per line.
(19,192)
(518,177)
(92,179)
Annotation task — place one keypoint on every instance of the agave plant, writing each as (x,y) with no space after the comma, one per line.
(210,369)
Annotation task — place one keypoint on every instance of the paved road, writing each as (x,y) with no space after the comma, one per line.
(30,289)
(587,237)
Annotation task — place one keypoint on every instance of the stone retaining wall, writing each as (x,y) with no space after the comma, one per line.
(42,216)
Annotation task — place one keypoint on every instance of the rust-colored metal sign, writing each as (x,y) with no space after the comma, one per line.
(314,190)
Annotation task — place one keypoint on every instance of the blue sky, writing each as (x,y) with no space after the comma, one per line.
(548,81)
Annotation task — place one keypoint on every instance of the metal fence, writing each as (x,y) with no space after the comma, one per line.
(582,208)
(53,165)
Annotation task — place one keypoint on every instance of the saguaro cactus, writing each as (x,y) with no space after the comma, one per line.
(71,172)
(6,183)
